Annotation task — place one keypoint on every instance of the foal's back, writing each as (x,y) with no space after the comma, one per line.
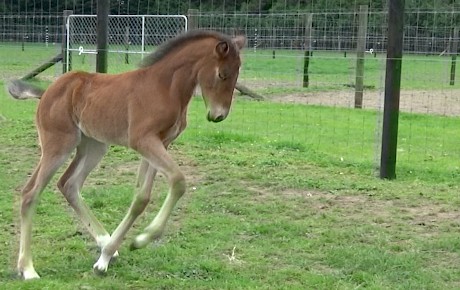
(102,106)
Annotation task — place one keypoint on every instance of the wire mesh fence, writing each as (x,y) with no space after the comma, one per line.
(425,32)
(43,29)
(129,37)
(274,64)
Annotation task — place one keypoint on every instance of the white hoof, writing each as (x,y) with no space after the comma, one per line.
(140,241)
(100,267)
(28,274)
(115,255)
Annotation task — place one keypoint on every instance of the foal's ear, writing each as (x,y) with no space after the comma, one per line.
(239,41)
(222,49)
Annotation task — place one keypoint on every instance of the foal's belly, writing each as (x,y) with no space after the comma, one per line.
(105,130)
(101,120)
(105,135)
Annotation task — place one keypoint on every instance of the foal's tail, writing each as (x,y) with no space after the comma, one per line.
(22,90)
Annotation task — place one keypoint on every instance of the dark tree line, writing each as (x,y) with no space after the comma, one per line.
(223,6)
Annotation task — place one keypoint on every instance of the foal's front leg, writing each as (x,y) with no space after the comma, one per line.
(145,181)
(176,180)
(155,152)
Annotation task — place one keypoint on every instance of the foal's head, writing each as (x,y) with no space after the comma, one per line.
(218,76)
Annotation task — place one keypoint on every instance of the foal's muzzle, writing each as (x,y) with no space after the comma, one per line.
(215,119)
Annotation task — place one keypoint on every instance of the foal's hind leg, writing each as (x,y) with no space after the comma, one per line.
(141,173)
(89,154)
(52,158)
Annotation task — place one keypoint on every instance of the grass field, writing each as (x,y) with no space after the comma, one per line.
(279,196)
(328,70)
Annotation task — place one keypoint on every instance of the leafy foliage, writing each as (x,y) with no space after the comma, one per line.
(240,6)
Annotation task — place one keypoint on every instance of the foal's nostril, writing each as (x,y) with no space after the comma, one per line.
(215,119)
(219,118)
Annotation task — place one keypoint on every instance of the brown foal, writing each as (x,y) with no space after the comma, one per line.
(145,110)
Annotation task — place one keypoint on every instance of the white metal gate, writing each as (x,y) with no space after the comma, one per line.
(128,35)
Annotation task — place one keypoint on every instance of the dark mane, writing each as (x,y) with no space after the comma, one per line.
(170,45)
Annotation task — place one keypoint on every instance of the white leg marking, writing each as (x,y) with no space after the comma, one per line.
(140,241)
(155,229)
(28,272)
(104,240)
(100,267)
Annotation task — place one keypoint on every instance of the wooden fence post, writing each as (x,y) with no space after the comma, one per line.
(66,58)
(360,50)
(102,35)
(273,41)
(453,52)
(308,54)
(192,19)
(392,89)
(127,44)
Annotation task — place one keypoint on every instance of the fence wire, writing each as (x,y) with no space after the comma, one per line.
(274,65)
(425,31)
(126,35)
(124,30)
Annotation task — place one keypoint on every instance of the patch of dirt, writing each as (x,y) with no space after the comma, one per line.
(440,102)
(421,212)
(189,167)
(114,170)
(423,216)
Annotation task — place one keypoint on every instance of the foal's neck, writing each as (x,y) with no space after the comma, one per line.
(179,69)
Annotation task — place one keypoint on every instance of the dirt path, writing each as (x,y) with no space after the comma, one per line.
(441,102)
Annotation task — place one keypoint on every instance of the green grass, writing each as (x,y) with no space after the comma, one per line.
(284,73)
(333,71)
(279,196)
